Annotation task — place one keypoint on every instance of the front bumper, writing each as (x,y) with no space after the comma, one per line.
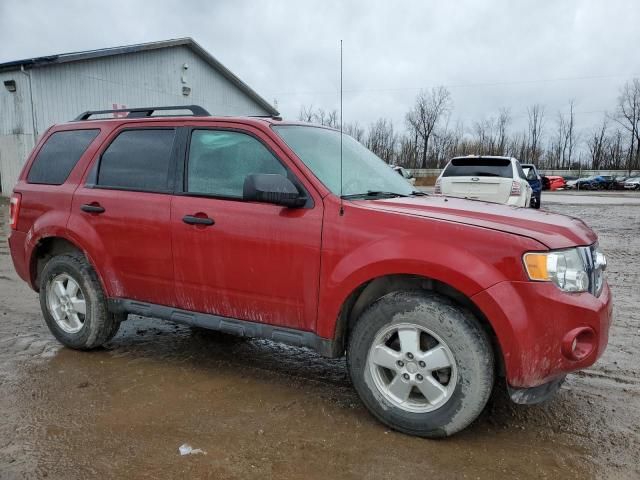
(532,320)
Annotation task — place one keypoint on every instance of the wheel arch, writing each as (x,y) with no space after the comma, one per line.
(368,292)
(48,247)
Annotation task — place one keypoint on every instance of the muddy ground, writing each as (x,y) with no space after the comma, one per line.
(262,410)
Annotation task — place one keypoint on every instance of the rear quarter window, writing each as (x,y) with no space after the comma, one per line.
(59,155)
(479,167)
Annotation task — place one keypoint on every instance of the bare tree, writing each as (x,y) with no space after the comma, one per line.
(429,108)
(306,114)
(568,136)
(484,132)
(355,130)
(329,119)
(428,142)
(502,126)
(562,145)
(597,145)
(536,124)
(616,154)
(382,140)
(628,115)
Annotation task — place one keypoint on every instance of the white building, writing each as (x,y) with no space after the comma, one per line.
(38,92)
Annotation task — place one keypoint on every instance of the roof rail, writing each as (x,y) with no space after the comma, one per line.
(273,117)
(196,111)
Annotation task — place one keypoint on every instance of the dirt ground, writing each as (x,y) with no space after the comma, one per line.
(263,410)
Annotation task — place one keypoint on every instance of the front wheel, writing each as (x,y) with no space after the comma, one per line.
(421,364)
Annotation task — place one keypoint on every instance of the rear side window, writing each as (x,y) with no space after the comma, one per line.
(479,167)
(59,155)
(220,161)
(138,160)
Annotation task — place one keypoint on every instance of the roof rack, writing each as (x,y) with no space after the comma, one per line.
(196,111)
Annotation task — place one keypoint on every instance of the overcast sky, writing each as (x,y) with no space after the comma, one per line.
(489,53)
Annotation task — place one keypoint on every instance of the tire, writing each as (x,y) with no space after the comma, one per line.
(536,201)
(89,330)
(470,379)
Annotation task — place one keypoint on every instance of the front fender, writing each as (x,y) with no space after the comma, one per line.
(469,270)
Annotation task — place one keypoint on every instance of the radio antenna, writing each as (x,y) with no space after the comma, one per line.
(341,122)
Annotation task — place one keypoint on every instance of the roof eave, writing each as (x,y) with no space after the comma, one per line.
(107,52)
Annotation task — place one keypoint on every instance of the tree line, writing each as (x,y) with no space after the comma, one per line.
(428,140)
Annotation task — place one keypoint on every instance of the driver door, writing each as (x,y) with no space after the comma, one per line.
(245,260)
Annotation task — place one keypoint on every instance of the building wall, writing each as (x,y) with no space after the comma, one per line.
(16,129)
(61,92)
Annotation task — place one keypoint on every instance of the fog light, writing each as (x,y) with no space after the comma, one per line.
(579,343)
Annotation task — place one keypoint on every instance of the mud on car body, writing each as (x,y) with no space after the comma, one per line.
(253,226)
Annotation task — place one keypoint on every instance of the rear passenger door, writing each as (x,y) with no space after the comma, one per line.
(122,213)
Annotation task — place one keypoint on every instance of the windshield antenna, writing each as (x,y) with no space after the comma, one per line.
(341,122)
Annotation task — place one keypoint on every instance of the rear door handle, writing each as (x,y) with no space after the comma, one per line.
(193,220)
(92,208)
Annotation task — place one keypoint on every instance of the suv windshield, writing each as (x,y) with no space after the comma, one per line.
(479,167)
(363,173)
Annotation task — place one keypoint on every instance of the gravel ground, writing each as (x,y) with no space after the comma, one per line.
(263,410)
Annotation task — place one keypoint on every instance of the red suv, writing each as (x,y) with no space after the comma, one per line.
(288,231)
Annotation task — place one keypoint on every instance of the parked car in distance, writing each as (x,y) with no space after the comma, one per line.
(488,178)
(404,173)
(618,182)
(293,232)
(555,182)
(632,183)
(606,182)
(597,182)
(571,183)
(535,182)
(588,183)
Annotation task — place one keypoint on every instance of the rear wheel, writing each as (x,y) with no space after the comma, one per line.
(74,305)
(421,364)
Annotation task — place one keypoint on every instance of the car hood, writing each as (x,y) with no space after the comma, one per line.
(550,229)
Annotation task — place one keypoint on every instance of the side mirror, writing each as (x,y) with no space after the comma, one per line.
(272,188)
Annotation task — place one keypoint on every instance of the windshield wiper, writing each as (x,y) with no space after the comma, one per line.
(373,194)
(418,193)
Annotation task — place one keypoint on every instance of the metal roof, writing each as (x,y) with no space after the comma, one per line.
(38,62)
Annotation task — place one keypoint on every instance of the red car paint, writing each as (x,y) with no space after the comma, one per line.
(556,182)
(298,267)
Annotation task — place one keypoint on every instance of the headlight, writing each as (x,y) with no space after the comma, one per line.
(567,269)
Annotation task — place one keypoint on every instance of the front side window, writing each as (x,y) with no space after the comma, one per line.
(220,161)
(138,160)
(362,171)
(59,155)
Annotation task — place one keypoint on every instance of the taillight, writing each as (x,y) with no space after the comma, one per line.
(516,189)
(438,189)
(14,210)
